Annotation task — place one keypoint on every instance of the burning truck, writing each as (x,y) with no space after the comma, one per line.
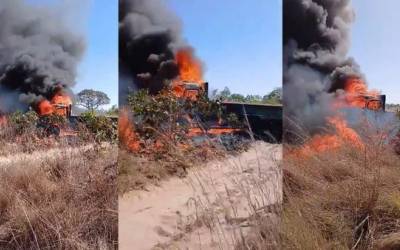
(54,114)
(59,106)
(261,122)
(326,96)
(39,58)
(154,56)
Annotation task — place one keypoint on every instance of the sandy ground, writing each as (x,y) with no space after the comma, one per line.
(205,210)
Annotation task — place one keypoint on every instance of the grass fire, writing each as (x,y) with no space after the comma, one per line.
(172,125)
(340,162)
(57,166)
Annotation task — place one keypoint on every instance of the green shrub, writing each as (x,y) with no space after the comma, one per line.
(102,127)
(169,115)
(23,123)
(163,113)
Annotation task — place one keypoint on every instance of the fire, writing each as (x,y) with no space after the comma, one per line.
(45,108)
(358,95)
(3,120)
(127,135)
(190,75)
(190,68)
(60,104)
(342,135)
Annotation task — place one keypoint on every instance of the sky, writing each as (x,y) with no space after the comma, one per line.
(239,42)
(97,20)
(376,44)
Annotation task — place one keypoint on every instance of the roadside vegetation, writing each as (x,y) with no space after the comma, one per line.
(58,190)
(230,209)
(346,198)
(393,107)
(62,199)
(272,98)
(161,127)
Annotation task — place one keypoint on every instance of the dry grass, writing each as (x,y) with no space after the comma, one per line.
(63,198)
(343,199)
(236,203)
(136,171)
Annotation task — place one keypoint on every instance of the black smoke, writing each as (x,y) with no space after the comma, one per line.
(316,42)
(149,36)
(38,54)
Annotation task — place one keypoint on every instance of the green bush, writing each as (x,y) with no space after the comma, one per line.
(169,115)
(23,122)
(102,127)
(163,113)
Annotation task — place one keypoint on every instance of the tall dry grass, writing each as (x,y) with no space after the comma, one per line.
(140,169)
(236,203)
(57,193)
(347,198)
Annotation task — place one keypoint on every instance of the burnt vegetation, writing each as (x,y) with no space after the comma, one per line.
(340,188)
(58,191)
(162,125)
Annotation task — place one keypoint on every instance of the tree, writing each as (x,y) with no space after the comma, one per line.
(225,94)
(253,99)
(92,99)
(237,98)
(113,110)
(275,97)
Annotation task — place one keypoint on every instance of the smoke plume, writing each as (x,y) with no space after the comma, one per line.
(316,43)
(150,35)
(37,54)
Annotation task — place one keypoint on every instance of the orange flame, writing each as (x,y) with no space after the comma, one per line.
(190,68)
(358,95)
(322,143)
(127,135)
(3,120)
(190,72)
(213,131)
(59,104)
(45,107)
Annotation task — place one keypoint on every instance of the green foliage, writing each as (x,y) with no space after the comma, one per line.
(237,98)
(161,113)
(23,122)
(92,99)
(275,97)
(256,99)
(53,119)
(226,93)
(172,116)
(233,120)
(113,111)
(102,127)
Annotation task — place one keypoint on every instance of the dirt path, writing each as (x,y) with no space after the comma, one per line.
(204,210)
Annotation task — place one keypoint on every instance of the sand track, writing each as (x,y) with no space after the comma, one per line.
(205,209)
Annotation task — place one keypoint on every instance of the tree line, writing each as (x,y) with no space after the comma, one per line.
(274,97)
